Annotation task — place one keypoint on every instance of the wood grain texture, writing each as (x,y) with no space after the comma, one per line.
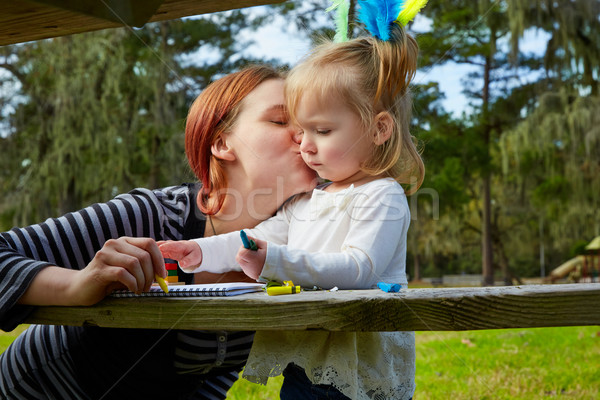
(25,20)
(451,309)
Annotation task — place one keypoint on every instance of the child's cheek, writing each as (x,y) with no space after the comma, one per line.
(332,154)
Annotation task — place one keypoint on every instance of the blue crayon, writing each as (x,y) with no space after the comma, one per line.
(248,243)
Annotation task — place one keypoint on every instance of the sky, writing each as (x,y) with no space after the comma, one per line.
(273,40)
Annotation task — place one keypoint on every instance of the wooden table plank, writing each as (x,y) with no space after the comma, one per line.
(446,309)
(26,20)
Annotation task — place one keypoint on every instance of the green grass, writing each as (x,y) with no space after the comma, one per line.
(244,390)
(6,338)
(544,363)
(557,363)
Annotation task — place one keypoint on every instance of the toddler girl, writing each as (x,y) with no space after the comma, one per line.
(352,101)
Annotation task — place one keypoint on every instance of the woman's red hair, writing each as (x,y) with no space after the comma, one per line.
(211,115)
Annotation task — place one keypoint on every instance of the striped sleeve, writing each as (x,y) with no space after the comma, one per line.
(71,241)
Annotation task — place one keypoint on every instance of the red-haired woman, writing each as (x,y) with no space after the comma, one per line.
(246,155)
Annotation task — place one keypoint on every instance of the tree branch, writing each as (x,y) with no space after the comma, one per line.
(16,73)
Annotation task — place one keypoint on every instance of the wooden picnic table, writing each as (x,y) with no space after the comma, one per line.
(439,309)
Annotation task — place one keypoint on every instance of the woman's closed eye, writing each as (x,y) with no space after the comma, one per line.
(277,115)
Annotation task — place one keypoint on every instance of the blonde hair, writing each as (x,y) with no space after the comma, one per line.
(370,76)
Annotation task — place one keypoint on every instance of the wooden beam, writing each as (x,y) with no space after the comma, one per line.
(26,20)
(448,309)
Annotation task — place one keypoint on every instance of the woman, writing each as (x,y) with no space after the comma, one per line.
(246,155)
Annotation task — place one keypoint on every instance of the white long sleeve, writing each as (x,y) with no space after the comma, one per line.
(351,239)
(219,252)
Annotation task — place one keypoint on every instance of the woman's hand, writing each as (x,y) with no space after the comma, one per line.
(187,253)
(125,262)
(252,261)
(121,263)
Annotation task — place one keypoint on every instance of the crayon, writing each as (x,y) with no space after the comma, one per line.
(162,283)
(248,243)
(277,290)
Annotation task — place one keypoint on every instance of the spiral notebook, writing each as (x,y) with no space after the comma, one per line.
(197,290)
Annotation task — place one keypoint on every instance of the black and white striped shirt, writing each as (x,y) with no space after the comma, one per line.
(63,362)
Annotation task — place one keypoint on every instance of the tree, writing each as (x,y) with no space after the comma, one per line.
(551,154)
(444,140)
(103,112)
(573,26)
(555,151)
(474,32)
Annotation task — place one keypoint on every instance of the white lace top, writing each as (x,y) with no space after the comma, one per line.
(351,239)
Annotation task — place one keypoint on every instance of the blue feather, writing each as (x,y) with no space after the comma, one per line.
(378,15)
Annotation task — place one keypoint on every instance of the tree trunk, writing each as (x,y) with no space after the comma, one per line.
(508,276)
(486,235)
(416,258)
(486,226)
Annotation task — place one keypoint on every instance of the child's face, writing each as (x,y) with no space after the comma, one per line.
(333,143)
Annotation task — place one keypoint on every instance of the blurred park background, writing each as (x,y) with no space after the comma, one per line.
(512,153)
(506,113)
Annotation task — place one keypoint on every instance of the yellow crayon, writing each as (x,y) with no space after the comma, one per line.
(277,290)
(162,283)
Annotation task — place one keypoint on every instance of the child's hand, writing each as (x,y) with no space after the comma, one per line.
(252,261)
(186,252)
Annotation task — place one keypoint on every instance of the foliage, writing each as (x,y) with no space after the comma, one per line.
(553,158)
(471,32)
(103,112)
(506,89)
(572,55)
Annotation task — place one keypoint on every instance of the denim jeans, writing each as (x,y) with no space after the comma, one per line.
(297,386)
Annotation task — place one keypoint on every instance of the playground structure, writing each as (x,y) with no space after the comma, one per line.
(584,268)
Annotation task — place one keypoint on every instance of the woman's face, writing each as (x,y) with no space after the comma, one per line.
(267,146)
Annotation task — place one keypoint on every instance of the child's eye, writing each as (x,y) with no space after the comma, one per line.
(323,131)
(279,122)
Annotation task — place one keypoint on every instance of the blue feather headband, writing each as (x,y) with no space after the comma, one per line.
(377,15)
